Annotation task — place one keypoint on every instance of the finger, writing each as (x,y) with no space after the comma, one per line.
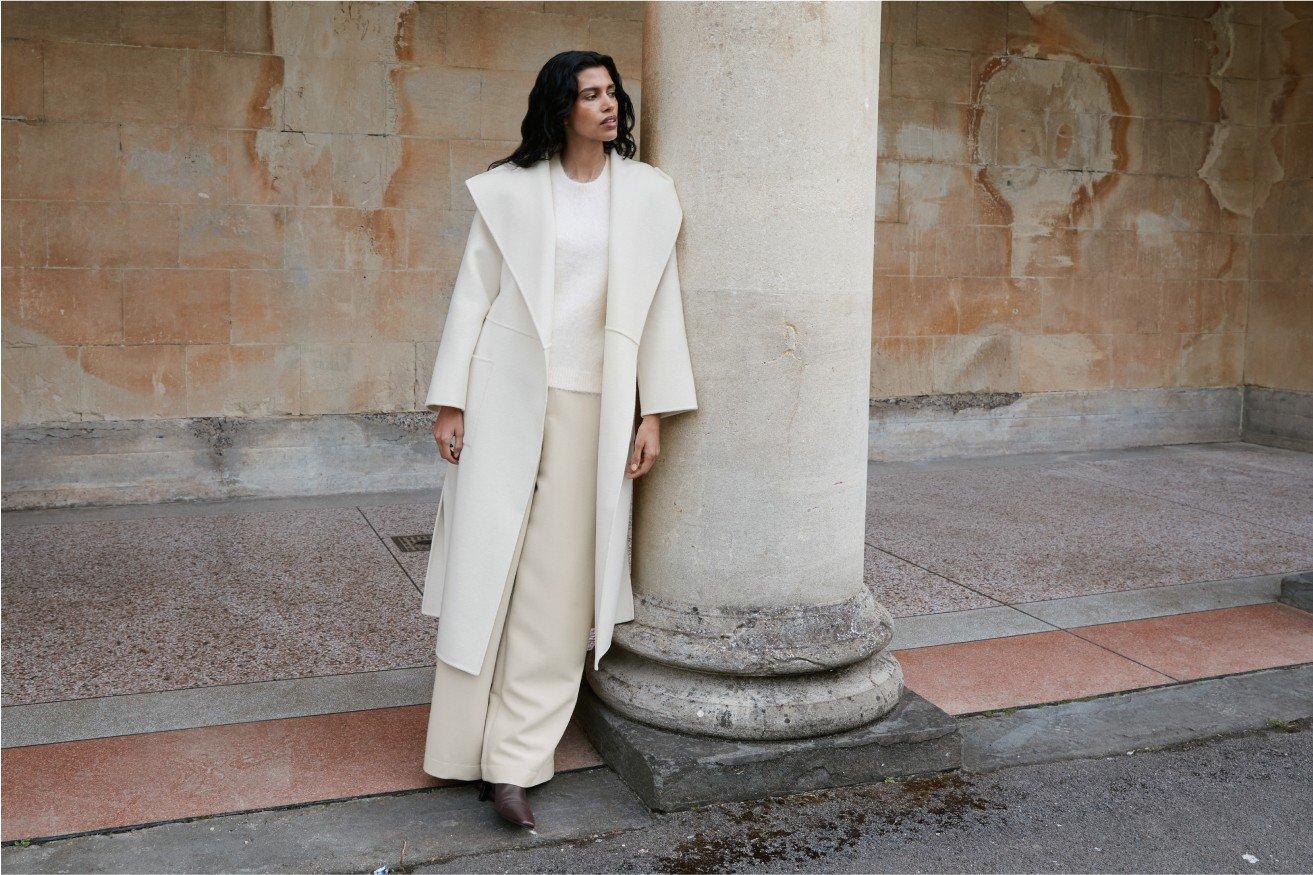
(649,459)
(635,460)
(445,446)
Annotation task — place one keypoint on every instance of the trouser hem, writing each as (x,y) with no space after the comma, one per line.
(496,775)
(473,771)
(452,770)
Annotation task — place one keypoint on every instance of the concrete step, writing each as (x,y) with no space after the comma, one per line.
(408,831)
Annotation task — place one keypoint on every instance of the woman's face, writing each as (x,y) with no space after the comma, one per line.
(596,113)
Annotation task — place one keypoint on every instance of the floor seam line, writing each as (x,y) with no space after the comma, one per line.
(381,540)
(1156,671)
(998,602)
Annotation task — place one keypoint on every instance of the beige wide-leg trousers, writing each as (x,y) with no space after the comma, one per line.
(503,725)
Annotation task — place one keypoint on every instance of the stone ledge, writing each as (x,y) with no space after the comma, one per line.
(989,424)
(1142,719)
(1297,590)
(671,771)
(148,461)
(1278,418)
(397,830)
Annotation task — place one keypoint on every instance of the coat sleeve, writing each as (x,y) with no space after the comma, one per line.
(478,282)
(665,371)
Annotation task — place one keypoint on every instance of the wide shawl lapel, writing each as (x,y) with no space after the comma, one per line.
(516,203)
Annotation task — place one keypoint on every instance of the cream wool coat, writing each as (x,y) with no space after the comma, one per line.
(492,363)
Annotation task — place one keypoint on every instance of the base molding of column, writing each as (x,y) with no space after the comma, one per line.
(748,708)
(757,641)
(672,771)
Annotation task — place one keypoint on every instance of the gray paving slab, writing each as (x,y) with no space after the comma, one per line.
(358,835)
(959,626)
(1158,601)
(106,716)
(1139,719)
(1297,590)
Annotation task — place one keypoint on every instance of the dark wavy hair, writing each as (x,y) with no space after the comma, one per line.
(542,133)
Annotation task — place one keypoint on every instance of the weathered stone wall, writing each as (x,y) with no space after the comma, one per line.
(1085,196)
(252,209)
(230,229)
(1279,352)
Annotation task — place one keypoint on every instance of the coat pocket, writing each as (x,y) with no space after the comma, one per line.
(480,372)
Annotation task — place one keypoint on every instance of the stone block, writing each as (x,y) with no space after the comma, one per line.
(234,236)
(332,95)
(112,234)
(189,25)
(232,90)
(61,162)
(66,307)
(449,103)
(420,173)
(357,377)
(175,306)
(86,82)
(21,81)
(671,771)
(254,380)
(135,382)
(174,165)
(277,167)
(41,384)
(24,239)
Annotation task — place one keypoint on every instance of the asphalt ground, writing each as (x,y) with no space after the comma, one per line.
(1242,803)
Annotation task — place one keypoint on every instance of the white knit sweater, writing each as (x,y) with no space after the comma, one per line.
(574,358)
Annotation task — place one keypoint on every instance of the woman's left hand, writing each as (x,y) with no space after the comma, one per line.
(647,446)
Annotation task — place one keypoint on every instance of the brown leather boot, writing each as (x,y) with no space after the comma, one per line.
(509,801)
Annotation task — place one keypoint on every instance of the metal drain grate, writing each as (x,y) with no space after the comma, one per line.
(413,543)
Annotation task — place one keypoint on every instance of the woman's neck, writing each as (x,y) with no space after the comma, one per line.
(583,162)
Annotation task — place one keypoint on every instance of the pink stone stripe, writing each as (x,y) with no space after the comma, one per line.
(1109,657)
(77,786)
(1208,643)
(1019,670)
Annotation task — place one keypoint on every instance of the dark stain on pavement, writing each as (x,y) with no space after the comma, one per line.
(807,827)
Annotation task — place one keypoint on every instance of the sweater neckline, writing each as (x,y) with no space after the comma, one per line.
(590,184)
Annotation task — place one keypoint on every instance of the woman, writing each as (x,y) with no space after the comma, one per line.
(563,347)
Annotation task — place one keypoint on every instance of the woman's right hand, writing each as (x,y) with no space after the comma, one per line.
(449,431)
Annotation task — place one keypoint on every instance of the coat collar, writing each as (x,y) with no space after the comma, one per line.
(516,203)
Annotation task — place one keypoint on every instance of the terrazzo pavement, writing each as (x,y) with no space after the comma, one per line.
(109,602)
(111,607)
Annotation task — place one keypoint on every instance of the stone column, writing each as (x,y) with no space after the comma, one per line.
(753,620)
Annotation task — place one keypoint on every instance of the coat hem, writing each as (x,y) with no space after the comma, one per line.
(464,668)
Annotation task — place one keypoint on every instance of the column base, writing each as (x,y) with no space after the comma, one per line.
(671,771)
(748,707)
